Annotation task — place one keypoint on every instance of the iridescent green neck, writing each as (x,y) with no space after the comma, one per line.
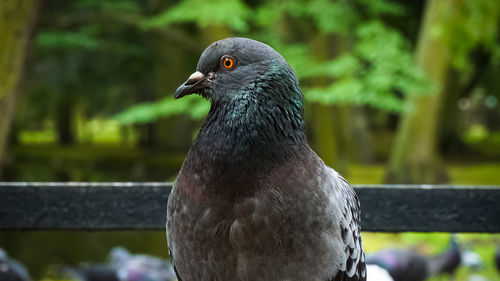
(260,121)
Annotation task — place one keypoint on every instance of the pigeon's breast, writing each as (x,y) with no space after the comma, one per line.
(273,234)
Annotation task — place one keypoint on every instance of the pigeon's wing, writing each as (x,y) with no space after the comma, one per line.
(353,267)
(173,264)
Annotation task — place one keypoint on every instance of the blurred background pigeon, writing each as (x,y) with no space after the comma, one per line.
(448,261)
(140,267)
(12,270)
(401,264)
(409,265)
(94,272)
(123,266)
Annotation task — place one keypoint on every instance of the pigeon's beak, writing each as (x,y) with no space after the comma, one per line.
(192,85)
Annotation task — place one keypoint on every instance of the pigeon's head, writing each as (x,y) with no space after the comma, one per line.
(234,67)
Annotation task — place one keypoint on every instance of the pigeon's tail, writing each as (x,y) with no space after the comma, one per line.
(377,273)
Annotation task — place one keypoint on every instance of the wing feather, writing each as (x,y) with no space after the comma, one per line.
(354,267)
(173,264)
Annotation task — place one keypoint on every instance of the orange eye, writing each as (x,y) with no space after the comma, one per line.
(228,62)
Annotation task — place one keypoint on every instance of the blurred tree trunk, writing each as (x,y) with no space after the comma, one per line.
(359,138)
(326,124)
(460,85)
(145,93)
(65,121)
(414,157)
(340,132)
(16,21)
(172,133)
(323,130)
(450,141)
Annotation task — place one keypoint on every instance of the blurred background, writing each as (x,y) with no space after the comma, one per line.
(396,92)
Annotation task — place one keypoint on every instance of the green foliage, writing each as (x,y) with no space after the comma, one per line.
(231,13)
(329,16)
(97,61)
(107,59)
(151,111)
(377,71)
(382,7)
(64,40)
(379,66)
(477,25)
(110,6)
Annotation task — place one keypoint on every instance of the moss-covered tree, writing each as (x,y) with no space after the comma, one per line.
(449,32)
(414,157)
(16,21)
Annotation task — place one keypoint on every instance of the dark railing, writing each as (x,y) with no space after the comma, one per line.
(142,206)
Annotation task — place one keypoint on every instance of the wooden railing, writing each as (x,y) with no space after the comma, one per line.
(142,206)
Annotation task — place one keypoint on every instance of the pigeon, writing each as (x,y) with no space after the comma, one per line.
(408,265)
(94,272)
(401,264)
(140,267)
(12,270)
(119,256)
(448,261)
(123,266)
(252,201)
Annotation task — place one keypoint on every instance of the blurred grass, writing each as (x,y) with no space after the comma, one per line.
(476,174)
(95,131)
(461,174)
(43,162)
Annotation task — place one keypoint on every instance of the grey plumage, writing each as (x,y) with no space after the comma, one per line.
(252,200)
(11,269)
(91,272)
(124,266)
(140,267)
